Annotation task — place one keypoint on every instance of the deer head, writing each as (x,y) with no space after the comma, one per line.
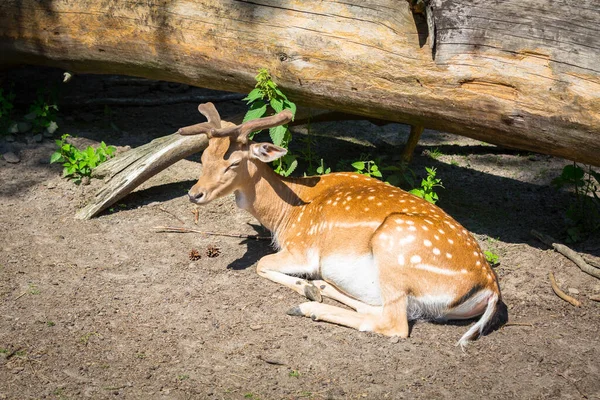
(230,154)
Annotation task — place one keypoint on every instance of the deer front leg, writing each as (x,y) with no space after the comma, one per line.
(280,267)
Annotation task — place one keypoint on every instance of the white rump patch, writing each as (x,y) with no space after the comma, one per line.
(429,306)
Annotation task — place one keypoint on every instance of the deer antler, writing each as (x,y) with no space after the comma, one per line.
(211,114)
(242,131)
(212,128)
(214,122)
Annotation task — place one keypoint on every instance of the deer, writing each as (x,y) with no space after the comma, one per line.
(389,256)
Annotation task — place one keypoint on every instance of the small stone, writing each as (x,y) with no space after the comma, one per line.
(13,128)
(50,185)
(24,127)
(9,138)
(11,157)
(38,138)
(573,290)
(394,339)
(255,327)
(85,180)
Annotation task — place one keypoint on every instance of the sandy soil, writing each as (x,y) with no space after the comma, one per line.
(108,308)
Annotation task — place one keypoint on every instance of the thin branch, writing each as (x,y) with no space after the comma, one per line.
(567,252)
(172,215)
(518,324)
(562,294)
(174,229)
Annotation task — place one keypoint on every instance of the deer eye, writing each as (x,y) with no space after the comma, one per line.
(233,165)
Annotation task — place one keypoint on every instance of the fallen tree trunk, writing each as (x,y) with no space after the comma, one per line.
(519,74)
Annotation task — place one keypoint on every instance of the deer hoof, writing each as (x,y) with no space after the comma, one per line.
(313,293)
(295,312)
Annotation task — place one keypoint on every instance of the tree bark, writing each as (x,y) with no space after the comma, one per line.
(518,74)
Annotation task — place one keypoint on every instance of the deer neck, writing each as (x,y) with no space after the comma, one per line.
(268,197)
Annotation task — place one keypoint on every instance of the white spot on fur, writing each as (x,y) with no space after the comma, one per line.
(448,255)
(401,259)
(406,240)
(436,251)
(427,243)
(415,259)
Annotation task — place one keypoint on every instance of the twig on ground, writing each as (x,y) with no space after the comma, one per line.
(21,295)
(595,297)
(567,252)
(196,213)
(562,294)
(518,324)
(174,229)
(172,215)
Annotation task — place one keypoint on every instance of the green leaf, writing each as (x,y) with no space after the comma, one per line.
(277,104)
(277,134)
(359,165)
(56,157)
(254,95)
(257,110)
(376,174)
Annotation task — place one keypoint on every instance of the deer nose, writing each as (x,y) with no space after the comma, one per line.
(197,196)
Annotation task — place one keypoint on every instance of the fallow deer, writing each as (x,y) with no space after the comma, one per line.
(390,256)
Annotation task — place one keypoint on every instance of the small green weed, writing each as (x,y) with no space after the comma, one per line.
(183,377)
(583,214)
(368,168)
(491,257)
(78,164)
(50,323)
(33,289)
(265,95)
(426,191)
(6,109)
(435,153)
(294,374)
(43,112)
(85,338)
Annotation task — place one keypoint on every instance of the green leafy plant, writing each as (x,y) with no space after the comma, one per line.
(491,257)
(6,109)
(77,163)
(267,95)
(368,168)
(43,112)
(426,191)
(583,213)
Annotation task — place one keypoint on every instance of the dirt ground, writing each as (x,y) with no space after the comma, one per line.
(108,308)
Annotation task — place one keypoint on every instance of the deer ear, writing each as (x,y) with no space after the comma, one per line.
(266,152)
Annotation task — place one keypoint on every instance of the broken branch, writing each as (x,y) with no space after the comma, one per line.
(562,294)
(567,252)
(174,229)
